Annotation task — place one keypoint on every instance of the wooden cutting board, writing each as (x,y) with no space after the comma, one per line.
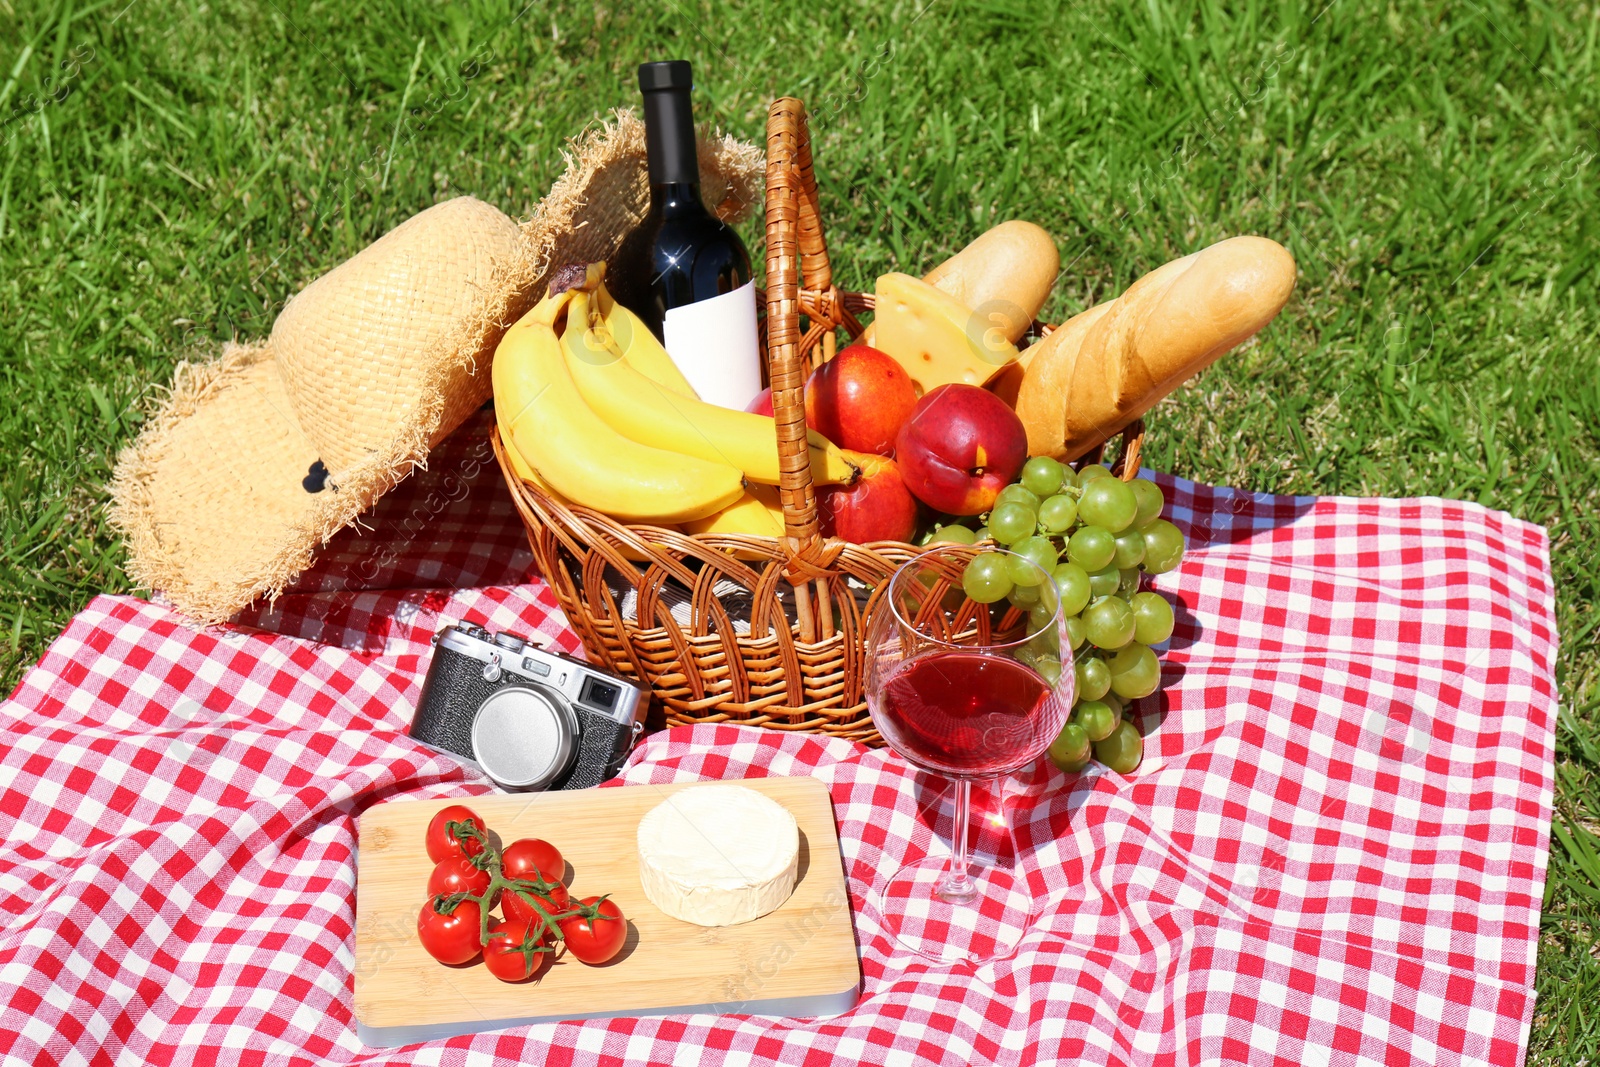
(800,960)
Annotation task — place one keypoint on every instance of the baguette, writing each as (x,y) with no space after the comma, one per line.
(1106,367)
(1007,384)
(1009,267)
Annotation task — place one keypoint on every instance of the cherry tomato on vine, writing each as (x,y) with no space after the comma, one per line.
(451,938)
(518,910)
(442,845)
(531,857)
(504,955)
(457,875)
(595,940)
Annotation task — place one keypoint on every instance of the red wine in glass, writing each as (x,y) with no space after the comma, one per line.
(968,714)
(970,691)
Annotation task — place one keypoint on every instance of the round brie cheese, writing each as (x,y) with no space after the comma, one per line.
(716,854)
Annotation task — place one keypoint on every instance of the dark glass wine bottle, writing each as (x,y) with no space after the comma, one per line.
(682,270)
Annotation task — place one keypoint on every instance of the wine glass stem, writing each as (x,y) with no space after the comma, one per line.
(958,886)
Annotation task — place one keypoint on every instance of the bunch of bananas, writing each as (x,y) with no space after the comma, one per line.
(593,411)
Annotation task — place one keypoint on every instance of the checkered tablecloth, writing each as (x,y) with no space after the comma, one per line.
(1334,851)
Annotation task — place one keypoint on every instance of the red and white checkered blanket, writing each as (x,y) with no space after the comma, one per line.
(1334,851)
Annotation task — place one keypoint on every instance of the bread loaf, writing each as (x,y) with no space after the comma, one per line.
(1005,275)
(1107,366)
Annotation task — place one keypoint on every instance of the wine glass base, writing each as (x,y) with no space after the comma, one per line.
(988,926)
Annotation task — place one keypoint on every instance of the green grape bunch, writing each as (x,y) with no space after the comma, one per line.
(1095,536)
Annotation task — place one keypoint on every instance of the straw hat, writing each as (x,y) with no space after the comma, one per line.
(254,460)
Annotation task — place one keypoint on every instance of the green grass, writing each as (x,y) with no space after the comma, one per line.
(1430,165)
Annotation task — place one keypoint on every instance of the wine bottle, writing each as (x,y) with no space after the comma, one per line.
(682,270)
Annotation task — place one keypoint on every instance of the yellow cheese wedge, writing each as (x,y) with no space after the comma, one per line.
(935,337)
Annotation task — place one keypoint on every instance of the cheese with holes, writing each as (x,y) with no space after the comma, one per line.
(937,338)
(718,854)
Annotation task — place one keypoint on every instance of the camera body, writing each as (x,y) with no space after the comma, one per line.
(530,718)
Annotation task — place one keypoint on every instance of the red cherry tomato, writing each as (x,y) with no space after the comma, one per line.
(505,956)
(457,876)
(442,845)
(532,858)
(518,910)
(595,940)
(450,938)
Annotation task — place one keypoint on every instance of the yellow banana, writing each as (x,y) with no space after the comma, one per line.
(509,390)
(654,415)
(542,416)
(520,466)
(639,347)
(757,512)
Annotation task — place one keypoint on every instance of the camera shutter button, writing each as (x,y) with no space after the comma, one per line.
(491,670)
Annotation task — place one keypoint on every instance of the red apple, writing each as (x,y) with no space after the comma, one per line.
(859,399)
(762,404)
(876,507)
(960,447)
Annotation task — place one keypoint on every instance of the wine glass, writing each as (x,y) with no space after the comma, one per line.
(965,679)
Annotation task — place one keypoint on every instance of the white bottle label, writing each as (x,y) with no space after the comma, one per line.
(713,342)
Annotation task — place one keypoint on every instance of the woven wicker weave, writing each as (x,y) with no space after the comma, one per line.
(731,628)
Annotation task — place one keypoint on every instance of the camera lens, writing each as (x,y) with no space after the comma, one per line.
(523,738)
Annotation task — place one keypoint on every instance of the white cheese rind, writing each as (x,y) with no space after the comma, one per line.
(716,855)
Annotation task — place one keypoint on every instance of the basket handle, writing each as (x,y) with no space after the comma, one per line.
(794,237)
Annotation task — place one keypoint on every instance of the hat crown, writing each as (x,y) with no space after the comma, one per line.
(354,347)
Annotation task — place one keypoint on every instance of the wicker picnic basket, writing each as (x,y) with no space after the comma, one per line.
(762,631)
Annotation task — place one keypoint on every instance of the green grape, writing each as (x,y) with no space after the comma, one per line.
(1058,513)
(1072,585)
(1024,596)
(1152,618)
(1115,703)
(980,534)
(1096,718)
(1069,477)
(1128,583)
(1092,547)
(1135,672)
(986,580)
(1075,632)
(1047,642)
(1094,678)
(1110,503)
(1042,476)
(1163,546)
(1107,623)
(1130,549)
(924,538)
(1070,750)
(1011,522)
(1091,473)
(1105,581)
(1018,493)
(1148,494)
(1123,750)
(1034,560)
(954,533)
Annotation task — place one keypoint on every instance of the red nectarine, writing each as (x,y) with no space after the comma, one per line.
(961,446)
(859,399)
(877,507)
